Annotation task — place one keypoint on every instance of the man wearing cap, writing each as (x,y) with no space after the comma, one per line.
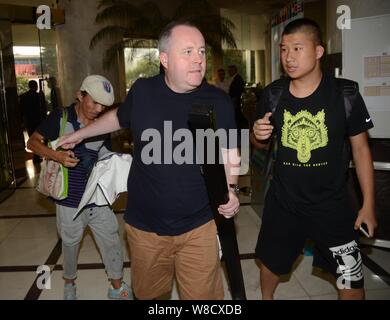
(95,94)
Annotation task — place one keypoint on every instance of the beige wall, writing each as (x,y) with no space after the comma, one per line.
(250,29)
(359,9)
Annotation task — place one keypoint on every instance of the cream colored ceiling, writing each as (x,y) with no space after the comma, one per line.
(253,7)
(27,35)
(31,3)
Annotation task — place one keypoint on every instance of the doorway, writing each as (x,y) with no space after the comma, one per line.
(7,172)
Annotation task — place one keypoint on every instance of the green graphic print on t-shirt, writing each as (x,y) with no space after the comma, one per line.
(304,133)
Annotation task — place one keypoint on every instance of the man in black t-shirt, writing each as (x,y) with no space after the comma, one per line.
(169,222)
(308,194)
(236,89)
(32,112)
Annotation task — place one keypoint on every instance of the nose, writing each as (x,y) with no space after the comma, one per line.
(99,107)
(197,57)
(289,55)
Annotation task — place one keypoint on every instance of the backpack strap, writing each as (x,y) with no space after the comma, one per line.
(64,119)
(274,93)
(349,90)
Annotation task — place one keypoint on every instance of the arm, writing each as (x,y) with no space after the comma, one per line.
(36,145)
(232,170)
(257,144)
(105,124)
(365,173)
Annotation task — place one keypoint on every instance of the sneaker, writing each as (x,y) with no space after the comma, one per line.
(122,293)
(70,291)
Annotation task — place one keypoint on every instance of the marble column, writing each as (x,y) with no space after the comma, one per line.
(75,59)
(248,64)
(259,67)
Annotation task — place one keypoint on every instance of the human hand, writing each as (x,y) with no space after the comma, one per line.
(366,216)
(231,208)
(69,140)
(262,128)
(67,158)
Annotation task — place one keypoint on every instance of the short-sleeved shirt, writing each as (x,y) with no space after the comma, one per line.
(310,168)
(77,176)
(168,199)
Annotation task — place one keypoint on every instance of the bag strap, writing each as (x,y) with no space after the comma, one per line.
(350,90)
(76,127)
(275,93)
(64,119)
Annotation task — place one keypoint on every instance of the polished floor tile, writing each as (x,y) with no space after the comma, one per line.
(7,226)
(378,294)
(15,285)
(25,251)
(27,242)
(35,228)
(26,202)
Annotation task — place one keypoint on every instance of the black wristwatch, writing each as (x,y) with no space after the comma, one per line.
(235,188)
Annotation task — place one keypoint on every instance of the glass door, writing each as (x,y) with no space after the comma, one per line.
(7,176)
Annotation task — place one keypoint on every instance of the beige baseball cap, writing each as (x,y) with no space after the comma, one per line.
(99,88)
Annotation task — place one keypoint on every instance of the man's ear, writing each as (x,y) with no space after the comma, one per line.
(164,59)
(79,95)
(319,51)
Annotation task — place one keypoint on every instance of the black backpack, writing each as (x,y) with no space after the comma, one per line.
(272,95)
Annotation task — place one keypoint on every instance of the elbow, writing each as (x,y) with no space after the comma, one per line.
(29,144)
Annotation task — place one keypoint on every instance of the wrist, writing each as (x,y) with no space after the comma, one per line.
(235,188)
(368,204)
(55,155)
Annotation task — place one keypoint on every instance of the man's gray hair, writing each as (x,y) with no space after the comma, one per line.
(163,39)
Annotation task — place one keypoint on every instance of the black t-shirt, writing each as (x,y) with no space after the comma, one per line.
(168,199)
(31,109)
(310,167)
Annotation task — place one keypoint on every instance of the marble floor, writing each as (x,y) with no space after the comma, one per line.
(28,239)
